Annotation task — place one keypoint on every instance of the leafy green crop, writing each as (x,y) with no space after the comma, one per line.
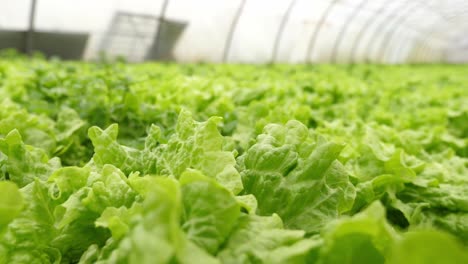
(165,163)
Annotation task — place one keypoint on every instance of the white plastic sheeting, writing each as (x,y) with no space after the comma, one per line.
(14,15)
(263,31)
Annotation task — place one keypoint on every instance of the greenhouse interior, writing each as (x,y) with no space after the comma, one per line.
(235,131)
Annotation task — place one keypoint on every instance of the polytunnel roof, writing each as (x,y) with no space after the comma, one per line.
(255,31)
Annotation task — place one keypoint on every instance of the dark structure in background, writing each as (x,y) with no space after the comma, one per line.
(135,37)
(169,33)
(139,37)
(69,46)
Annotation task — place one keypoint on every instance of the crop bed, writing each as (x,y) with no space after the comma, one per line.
(166,163)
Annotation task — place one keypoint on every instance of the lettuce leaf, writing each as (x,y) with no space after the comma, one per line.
(298,177)
(197,145)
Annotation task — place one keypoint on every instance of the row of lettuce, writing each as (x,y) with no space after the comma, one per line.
(164,163)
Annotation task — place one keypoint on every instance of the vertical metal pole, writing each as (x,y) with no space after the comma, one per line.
(157,41)
(444,19)
(377,30)
(363,30)
(438,50)
(421,37)
(279,34)
(344,28)
(421,53)
(230,36)
(427,35)
(404,15)
(371,21)
(29,45)
(442,45)
(318,28)
(397,50)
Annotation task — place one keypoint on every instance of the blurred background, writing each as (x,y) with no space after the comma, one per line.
(240,31)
